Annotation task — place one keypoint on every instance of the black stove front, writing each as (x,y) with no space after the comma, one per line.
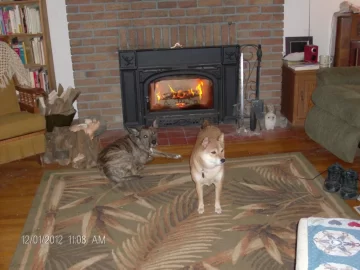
(182,86)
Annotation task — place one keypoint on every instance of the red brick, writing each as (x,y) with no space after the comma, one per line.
(176,12)
(208,35)
(243,34)
(209,3)
(174,35)
(107,65)
(77,58)
(190,42)
(279,2)
(197,11)
(78,17)
(77,2)
(272,25)
(102,1)
(144,22)
(165,37)
(114,80)
(199,35)
(96,57)
(148,38)
(76,43)
(80,34)
(223,10)
(98,73)
(85,82)
(260,33)
(236,18)
(129,14)
(277,33)
(72,9)
(155,13)
(93,25)
(143,5)
(193,20)
(253,25)
(260,17)
(157,37)
(104,16)
(84,66)
(187,4)
(74,26)
(225,34)
(217,34)
(88,97)
(248,9)
(272,9)
(140,38)
(211,19)
(278,17)
(91,8)
(118,23)
(167,4)
(81,106)
(277,63)
(272,71)
(105,33)
(234,2)
(132,37)
(122,38)
(118,6)
(260,2)
(106,48)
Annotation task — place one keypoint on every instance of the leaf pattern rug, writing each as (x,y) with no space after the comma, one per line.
(80,221)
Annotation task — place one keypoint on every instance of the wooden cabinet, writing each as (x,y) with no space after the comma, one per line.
(297,88)
(347,44)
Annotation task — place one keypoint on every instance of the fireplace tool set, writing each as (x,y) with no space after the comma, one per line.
(256,105)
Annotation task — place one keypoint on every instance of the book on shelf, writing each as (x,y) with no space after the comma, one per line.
(39,79)
(301,65)
(31,51)
(20,20)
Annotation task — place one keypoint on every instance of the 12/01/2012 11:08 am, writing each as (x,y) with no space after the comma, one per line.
(83,240)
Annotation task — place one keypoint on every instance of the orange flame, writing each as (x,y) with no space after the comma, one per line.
(199,88)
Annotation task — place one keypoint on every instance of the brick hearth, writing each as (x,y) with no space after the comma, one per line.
(98,28)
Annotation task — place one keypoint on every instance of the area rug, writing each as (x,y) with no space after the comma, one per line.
(80,221)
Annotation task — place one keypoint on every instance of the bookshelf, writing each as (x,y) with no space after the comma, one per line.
(24,26)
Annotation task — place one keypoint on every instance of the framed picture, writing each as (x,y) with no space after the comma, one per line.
(296,44)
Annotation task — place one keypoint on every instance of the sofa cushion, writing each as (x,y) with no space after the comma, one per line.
(20,123)
(8,99)
(342,101)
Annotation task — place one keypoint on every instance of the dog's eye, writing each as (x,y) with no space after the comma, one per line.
(213,152)
(145,136)
(222,150)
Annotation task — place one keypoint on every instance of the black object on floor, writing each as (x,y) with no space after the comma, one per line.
(349,186)
(333,181)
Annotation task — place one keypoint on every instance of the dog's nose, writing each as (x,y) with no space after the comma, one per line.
(153,142)
(222,160)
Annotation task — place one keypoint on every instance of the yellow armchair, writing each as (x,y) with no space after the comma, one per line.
(22,127)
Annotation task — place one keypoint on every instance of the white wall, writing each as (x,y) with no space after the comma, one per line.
(296,20)
(60,43)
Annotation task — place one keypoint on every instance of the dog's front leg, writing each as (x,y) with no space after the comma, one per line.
(199,190)
(157,153)
(218,188)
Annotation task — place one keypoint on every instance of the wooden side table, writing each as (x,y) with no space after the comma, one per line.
(296,90)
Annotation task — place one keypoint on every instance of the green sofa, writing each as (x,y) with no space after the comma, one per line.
(334,120)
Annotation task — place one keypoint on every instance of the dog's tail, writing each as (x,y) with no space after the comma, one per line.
(205,124)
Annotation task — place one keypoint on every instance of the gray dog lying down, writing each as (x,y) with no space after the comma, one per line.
(127,156)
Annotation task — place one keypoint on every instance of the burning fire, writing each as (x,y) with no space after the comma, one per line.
(181,94)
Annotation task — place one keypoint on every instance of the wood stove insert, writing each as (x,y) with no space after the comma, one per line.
(181,86)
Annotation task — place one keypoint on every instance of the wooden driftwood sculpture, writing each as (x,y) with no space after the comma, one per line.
(76,145)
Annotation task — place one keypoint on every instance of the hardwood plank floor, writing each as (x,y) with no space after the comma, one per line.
(19,180)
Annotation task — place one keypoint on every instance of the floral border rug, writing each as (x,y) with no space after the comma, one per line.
(81,221)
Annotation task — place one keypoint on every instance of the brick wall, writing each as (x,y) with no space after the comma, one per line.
(98,28)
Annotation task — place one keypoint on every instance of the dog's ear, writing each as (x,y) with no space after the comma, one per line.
(205,142)
(221,138)
(133,130)
(155,123)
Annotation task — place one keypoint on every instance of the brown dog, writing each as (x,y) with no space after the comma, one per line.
(207,163)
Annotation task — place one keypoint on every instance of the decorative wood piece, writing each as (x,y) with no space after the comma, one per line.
(297,88)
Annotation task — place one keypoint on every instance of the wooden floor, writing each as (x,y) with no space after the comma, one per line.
(19,180)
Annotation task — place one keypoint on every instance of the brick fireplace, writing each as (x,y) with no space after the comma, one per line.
(99,28)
